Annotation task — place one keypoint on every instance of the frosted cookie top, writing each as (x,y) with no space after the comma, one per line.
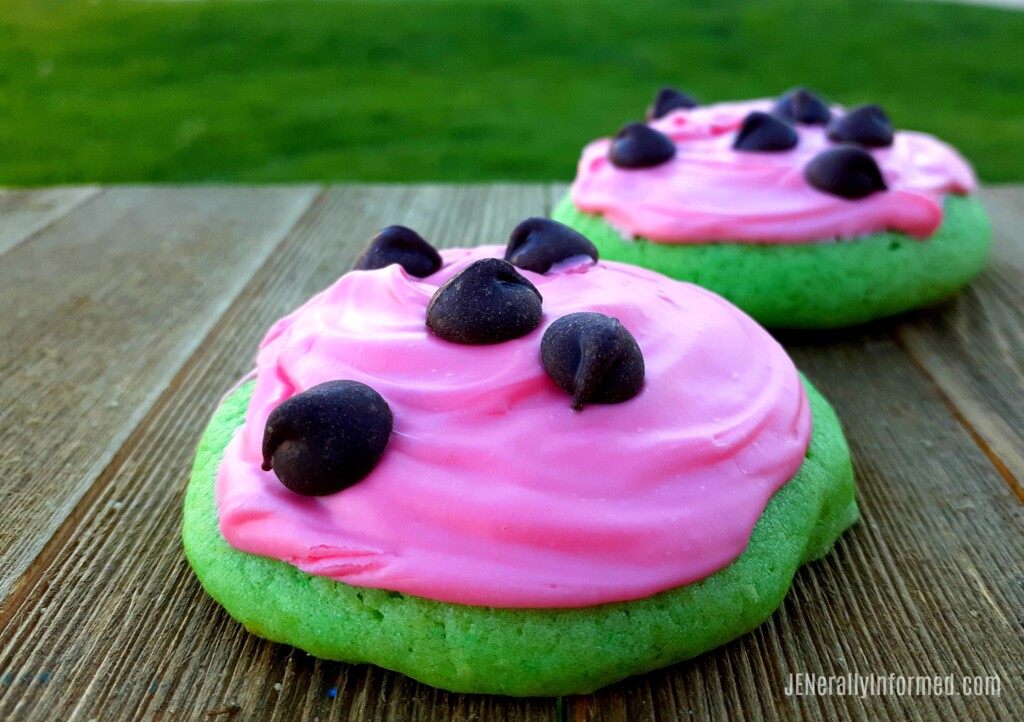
(753,172)
(492,489)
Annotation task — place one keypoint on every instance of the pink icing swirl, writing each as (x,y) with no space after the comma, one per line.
(709,192)
(492,490)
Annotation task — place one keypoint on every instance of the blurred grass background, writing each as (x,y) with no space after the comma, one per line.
(462,90)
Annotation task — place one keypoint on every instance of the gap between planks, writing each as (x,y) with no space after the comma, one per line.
(27,577)
(954,410)
(29,213)
(169,393)
(972,347)
(202,370)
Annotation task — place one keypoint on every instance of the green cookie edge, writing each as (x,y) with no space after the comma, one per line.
(827,284)
(521,652)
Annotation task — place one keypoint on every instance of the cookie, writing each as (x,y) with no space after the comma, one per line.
(525,530)
(809,218)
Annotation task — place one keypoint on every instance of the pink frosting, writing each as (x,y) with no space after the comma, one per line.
(709,192)
(492,490)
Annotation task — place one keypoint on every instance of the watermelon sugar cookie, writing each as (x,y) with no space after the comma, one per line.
(805,215)
(514,470)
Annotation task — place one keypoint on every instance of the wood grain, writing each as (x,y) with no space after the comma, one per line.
(180,284)
(100,311)
(24,212)
(128,633)
(928,583)
(973,348)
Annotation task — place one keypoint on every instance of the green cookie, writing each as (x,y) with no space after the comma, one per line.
(814,285)
(523,652)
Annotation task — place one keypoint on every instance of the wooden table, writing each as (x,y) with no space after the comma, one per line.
(129,311)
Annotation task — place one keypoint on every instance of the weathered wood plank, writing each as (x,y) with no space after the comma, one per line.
(100,311)
(24,212)
(973,347)
(928,583)
(128,632)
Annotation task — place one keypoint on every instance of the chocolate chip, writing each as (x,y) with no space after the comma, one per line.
(401,245)
(765,132)
(667,100)
(866,125)
(537,244)
(802,106)
(640,146)
(594,358)
(847,171)
(488,301)
(326,438)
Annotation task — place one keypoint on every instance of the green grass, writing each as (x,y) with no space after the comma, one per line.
(461,90)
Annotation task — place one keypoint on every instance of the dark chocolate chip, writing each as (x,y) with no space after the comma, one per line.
(593,357)
(640,146)
(847,171)
(537,244)
(488,301)
(765,132)
(866,125)
(401,245)
(802,106)
(326,438)
(667,100)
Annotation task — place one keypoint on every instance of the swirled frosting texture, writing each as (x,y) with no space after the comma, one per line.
(492,490)
(709,192)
